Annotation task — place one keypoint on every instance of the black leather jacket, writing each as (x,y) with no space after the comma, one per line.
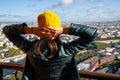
(61,67)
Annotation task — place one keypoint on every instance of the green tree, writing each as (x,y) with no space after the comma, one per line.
(102,45)
(2,47)
(1,56)
(19,76)
(13,52)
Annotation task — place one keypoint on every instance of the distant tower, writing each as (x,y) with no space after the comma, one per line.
(32,23)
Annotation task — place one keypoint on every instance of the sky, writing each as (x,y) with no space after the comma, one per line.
(68,10)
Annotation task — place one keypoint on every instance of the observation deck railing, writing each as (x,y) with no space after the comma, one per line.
(83,74)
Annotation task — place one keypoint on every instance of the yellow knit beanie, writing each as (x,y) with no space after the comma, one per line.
(50,19)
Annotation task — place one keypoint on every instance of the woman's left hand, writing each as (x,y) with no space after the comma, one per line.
(46,32)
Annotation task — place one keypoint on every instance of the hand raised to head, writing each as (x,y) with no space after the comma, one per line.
(46,32)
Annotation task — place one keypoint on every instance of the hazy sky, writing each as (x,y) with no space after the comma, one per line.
(68,10)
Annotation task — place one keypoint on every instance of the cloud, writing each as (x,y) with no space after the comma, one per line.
(66,2)
(96,0)
(98,12)
(54,6)
(32,5)
(11,16)
(103,15)
(102,5)
(82,1)
(107,15)
(62,3)
(37,0)
(96,8)
(91,10)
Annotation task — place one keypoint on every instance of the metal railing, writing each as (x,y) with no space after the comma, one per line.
(17,67)
(83,74)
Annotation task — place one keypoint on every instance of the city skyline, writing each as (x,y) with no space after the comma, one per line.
(68,10)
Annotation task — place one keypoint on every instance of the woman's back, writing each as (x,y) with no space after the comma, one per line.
(56,68)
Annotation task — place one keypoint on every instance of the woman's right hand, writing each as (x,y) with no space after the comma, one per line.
(46,32)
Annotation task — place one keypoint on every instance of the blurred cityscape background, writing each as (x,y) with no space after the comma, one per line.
(103,55)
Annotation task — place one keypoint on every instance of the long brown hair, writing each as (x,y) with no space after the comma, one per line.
(50,45)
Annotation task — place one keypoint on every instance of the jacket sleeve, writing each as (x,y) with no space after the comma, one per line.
(13,33)
(86,36)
